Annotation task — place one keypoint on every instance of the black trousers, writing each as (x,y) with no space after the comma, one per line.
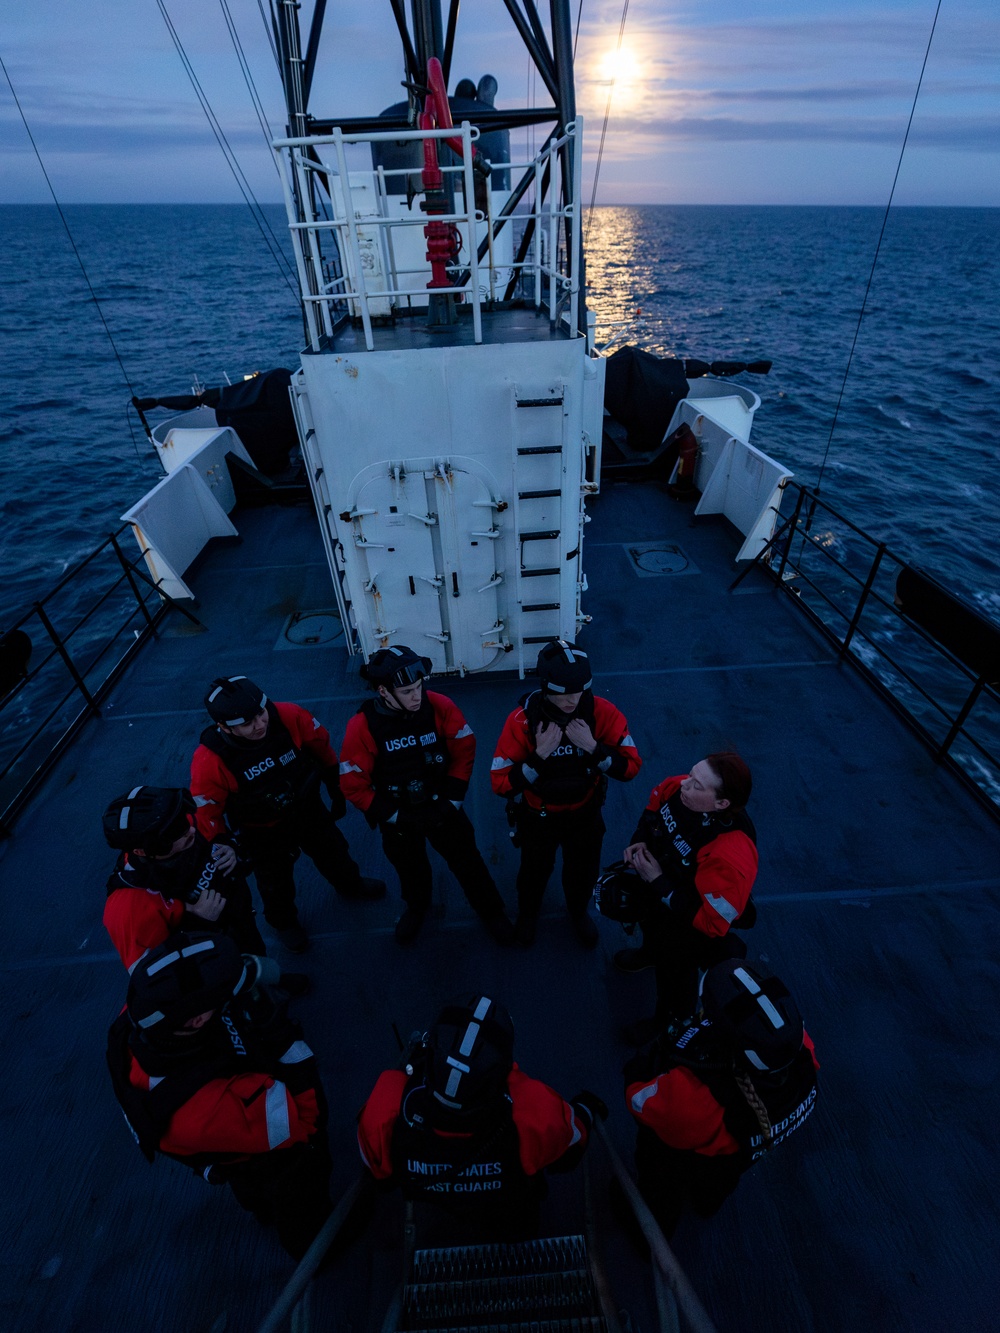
(273,850)
(287,1189)
(450,833)
(681,953)
(239,919)
(579,834)
(672,1180)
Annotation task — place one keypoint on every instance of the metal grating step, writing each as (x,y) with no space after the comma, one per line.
(590,1324)
(499,1299)
(552,1254)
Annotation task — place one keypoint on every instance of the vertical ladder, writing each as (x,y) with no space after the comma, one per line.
(541,477)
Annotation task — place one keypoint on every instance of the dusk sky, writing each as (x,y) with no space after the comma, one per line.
(765,101)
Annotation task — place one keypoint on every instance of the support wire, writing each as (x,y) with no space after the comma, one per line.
(62,217)
(607,116)
(256,212)
(878,247)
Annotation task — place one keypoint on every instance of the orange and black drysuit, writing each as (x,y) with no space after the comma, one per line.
(408,774)
(146,903)
(491,1176)
(698,1132)
(556,802)
(709,863)
(240,1103)
(267,792)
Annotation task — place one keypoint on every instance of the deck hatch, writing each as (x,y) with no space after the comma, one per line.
(655,559)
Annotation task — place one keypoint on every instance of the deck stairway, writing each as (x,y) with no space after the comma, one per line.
(541,1285)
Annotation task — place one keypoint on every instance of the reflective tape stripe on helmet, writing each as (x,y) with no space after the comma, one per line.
(234,701)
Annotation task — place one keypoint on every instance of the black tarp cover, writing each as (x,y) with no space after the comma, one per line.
(260,412)
(642,391)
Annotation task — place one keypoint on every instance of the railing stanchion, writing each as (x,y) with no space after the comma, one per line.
(794,528)
(64,654)
(132,583)
(869,581)
(959,722)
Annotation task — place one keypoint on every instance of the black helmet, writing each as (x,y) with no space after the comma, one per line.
(188,974)
(148,819)
(621,895)
(470,1052)
(395,668)
(754,1010)
(234,701)
(563,668)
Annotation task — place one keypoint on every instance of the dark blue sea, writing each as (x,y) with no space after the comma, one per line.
(193,292)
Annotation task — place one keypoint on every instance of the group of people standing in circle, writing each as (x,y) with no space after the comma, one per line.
(211,1069)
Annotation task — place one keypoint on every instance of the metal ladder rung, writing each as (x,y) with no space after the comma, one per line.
(540,449)
(541,606)
(540,402)
(537,573)
(548,535)
(538,495)
(539,638)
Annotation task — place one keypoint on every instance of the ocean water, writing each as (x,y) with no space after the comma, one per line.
(192,292)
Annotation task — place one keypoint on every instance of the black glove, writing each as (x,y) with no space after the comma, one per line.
(591,1106)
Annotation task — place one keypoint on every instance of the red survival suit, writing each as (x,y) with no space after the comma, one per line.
(268,791)
(408,773)
(709,863)
(139,916)
(555,803)
(698,1133)
(246,1107)
(493,1175)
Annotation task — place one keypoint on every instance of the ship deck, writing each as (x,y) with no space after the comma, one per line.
(514,324)
(877,893)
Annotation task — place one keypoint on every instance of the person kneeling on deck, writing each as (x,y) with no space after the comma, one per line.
(714,1098)
(552,762)
(463,1127)
(406,761)
(257,772)
(694,849)
(168,877)
(210,1071)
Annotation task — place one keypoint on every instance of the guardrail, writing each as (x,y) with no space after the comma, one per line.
(555,264)
(845,580)
(91,624)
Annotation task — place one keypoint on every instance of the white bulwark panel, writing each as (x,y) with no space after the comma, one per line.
(452,484)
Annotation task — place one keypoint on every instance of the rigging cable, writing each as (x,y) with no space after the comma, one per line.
(270,35)
(263,226)
(607,116)
(62,216)
(576,35)
(244,64)
(871,275)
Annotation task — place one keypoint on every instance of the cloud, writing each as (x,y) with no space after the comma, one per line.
(933,132)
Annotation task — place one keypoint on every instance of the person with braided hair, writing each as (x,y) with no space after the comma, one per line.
(713,1099)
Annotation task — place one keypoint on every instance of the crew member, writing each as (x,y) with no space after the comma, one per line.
(257,772)
(463,1127)
(552,762)
(210,1070)
(168,877)
(695,848)
(405,763)
(714,1098)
